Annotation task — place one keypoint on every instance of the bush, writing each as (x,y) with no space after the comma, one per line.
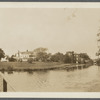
(12,59)
(30,60)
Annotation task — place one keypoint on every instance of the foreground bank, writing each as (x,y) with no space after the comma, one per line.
(25,66)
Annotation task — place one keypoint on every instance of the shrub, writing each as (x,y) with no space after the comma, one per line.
(12,59)
(30,60)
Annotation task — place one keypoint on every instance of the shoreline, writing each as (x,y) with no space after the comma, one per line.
(38,66)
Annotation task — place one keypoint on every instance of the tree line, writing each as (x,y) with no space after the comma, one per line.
(69,57)
(42,55)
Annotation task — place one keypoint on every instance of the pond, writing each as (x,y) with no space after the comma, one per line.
(79,80)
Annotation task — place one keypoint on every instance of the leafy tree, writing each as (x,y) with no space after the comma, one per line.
(12,56)
(30,60)
(11,59)
(67,59)
(70,57)
(58,57)
(85,56)
(41,54)
(2,54)
(37,50)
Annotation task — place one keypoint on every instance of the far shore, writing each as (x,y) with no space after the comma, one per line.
(25,66)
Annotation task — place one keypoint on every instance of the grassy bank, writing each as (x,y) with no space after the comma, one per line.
(25,66)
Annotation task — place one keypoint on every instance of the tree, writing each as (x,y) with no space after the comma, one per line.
(11,59)
(37,50)
(85,56)
(41,54)
(2,54)
(67,58)
(30,60)
(58,57)
(7,57)
(31,55)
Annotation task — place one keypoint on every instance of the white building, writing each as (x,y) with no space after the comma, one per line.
(24,56)
(4,59)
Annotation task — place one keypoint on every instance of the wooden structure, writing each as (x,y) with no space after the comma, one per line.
(5,84)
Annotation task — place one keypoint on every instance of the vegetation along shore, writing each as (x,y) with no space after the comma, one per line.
(39,59)
(25,66)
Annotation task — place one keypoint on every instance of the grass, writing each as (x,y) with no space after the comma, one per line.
(25,66)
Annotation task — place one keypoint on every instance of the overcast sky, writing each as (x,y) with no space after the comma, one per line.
(58,29)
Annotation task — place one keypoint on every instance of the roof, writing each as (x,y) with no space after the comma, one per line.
(27,52)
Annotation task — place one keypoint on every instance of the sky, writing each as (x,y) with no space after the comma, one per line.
(58,29)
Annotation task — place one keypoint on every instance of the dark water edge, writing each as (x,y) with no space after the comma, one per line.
(68,68)
(61,67)
(30,71)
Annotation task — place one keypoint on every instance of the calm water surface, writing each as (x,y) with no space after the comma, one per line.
(87,79)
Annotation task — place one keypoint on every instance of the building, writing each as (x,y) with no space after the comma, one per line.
(4,59)
(75,58)
(24,56)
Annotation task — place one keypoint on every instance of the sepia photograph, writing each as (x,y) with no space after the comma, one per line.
(49,49)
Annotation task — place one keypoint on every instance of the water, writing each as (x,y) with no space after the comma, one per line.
(84,80)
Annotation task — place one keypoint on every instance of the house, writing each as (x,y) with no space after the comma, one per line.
(4,59)
(75,58)
(24,56)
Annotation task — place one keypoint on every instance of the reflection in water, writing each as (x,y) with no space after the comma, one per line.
(30,72)
(10,72)
(43,72)
(2,71)
(56,80)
